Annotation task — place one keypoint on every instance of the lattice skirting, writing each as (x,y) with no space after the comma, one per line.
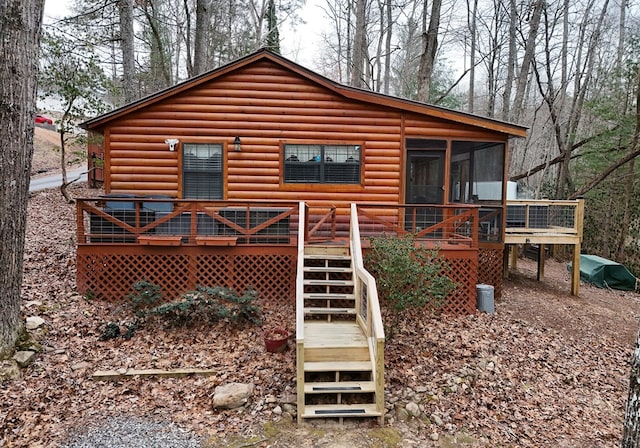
(490,269)
(108,272)
(464,272)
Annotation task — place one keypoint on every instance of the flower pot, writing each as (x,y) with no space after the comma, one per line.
(275,340)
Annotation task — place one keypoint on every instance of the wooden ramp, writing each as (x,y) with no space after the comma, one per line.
(336,377)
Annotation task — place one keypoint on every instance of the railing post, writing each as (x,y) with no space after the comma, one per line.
(82,238)
(305,231)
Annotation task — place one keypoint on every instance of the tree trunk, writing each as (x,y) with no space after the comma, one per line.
(359,44)
(202,32)
(20,22)
(125,8)
(511,61)
(631,431)
(527,60)
(429,50)
(471,23)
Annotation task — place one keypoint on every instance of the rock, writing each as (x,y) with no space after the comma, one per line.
(402,414)
(34,322)
(289,398)
(291,409)
(436,419)
(31,303)
(24,357)
(232,395)
(287,417)
(270,399)
(413,409)
(81,366)
(434,436)
(9,370)
(277,410)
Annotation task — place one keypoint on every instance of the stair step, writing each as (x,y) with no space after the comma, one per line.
(327,257)
(341,410)
(327,296)
(338,366)
(319,310)
(353,387)
(319,282)
(326,269)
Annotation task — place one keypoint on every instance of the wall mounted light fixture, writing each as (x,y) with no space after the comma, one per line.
(236,144)
(172,142)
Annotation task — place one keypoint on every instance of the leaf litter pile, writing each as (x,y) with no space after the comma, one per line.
(547,369)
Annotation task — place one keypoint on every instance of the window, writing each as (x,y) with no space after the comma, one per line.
(201,171)
(477,171)
(329,164)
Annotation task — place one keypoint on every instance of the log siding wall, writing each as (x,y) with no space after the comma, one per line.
(267,106)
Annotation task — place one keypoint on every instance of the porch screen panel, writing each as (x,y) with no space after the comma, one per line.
(202,171)
(331,164)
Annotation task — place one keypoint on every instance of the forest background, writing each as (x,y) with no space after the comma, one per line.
(566,69)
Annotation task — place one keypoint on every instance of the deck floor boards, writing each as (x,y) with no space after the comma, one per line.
(333,334)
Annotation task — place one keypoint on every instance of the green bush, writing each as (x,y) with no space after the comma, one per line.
(408,276)
(211,304)
(144,295)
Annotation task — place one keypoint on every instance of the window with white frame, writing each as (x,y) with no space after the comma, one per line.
(329,164)
(202,171)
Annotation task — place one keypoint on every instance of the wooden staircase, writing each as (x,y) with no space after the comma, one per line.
(336,370)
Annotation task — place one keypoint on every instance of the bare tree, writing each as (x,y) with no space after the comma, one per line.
(429,49)
(20,23)
(125,9)
(359,46)
(201,36)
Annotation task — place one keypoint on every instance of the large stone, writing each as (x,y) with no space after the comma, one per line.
(413,409)
(34,322)
(24,357)
(232,395)
(9,370)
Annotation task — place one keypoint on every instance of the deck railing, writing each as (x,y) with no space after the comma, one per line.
(175,222)
(545,216)
(368,314)
(320,224)
(441,224)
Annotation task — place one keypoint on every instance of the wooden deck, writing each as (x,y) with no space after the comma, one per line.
(545,222)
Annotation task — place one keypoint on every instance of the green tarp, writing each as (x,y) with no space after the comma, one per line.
(605,273)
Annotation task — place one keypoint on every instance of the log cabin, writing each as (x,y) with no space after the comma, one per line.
(263,173)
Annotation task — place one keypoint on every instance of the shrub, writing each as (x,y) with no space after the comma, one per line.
(144,295)
(408,276)
(211,304)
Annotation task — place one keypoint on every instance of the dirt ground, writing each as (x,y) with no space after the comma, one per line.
(46,155)
(547,369)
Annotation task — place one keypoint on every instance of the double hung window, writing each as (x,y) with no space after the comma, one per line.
(202,171)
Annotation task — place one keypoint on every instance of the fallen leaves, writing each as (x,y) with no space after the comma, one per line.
(546,370)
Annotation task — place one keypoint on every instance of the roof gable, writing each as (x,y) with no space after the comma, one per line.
(345,91)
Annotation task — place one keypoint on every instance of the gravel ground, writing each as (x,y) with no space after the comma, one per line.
(133,433)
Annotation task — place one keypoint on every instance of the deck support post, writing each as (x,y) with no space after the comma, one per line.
(541,257)
(514,256)
(505,261)
(575,270)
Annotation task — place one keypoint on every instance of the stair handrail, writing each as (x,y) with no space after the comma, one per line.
(300,272)
(371,321)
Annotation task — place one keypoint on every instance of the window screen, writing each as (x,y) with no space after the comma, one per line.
(202,171)
(331,164)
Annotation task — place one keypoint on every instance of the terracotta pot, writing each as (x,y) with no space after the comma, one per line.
(276,340)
